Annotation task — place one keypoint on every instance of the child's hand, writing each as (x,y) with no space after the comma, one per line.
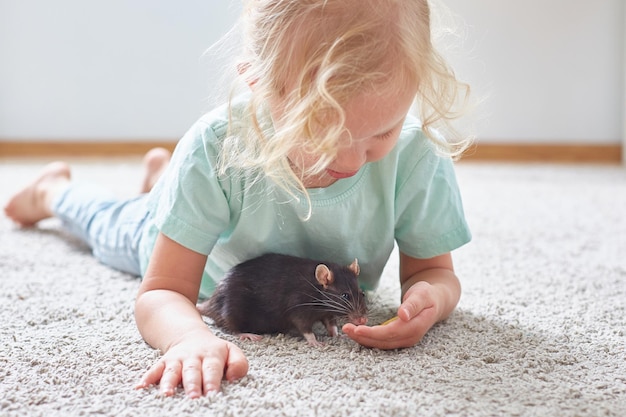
(167,318)
(199,362)
(430,292)
(416,315)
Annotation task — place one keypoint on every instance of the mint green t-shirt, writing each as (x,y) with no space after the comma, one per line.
(410,197)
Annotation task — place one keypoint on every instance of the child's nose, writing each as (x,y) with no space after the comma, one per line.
(351,159)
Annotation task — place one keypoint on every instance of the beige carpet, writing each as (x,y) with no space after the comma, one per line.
(540,329)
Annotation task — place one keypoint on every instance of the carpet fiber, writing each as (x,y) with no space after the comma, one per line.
(540,329)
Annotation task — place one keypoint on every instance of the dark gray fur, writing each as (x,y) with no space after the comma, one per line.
(279,293)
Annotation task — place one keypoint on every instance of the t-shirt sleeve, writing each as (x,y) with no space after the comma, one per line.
(192,204)
(429,212)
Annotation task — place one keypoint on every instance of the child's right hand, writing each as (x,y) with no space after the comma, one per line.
(167,318)
(199,362)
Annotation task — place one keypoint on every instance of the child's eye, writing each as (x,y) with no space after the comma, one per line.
(385,135)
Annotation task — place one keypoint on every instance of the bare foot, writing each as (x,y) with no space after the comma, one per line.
(155,161)
(33,203)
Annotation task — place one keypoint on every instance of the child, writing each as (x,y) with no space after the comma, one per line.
(318,159)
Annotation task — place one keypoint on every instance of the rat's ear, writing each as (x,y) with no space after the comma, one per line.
(324,275)
(354,267)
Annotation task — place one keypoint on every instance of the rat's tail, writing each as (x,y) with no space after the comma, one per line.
(212,309)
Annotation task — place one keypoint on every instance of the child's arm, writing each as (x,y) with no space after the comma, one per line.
(167,318)
(430,292)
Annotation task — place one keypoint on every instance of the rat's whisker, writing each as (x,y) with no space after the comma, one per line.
(340,301)
(326,306)
(325,301)
(334,308)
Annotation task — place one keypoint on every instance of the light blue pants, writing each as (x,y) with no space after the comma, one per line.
(111,227)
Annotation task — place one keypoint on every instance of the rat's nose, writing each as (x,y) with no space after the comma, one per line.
(359,320)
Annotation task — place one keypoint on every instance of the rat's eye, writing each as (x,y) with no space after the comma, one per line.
(345,296)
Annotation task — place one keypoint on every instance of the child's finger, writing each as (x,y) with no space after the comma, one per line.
(389,336)
(212,373)
(410,308)
(414,303)
(370,334)
(152,375)
(171,378)
(237,364)
(192,378)
(394,334)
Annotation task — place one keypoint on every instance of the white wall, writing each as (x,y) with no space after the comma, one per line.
(549,69)
(624,88)
(116,69)
(100,69)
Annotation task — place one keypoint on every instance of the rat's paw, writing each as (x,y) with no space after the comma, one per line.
(310,338)
(332,331)
(250,336)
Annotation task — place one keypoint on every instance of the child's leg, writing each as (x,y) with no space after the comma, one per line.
(34,202)
(154,162)
(111,227)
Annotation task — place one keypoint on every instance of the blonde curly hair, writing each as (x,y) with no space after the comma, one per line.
(313,57)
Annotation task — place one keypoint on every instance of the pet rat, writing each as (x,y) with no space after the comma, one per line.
(276,293)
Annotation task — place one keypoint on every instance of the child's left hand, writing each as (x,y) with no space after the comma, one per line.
(430,292)
(416,315)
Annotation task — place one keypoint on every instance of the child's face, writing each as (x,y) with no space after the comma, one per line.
(374,121)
